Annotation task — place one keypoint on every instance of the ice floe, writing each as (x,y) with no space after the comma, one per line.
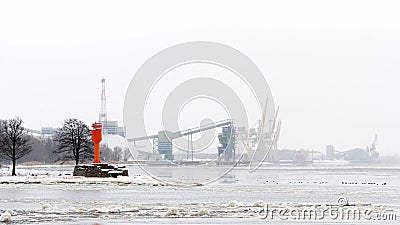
(172,212)
(6,217)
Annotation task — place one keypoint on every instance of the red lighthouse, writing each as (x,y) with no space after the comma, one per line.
(96,138)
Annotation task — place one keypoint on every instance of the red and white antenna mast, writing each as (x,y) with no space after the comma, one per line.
(103,110)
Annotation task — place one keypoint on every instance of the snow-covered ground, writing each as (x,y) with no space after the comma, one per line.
(30,175)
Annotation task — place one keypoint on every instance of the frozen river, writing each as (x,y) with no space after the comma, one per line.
(239,197)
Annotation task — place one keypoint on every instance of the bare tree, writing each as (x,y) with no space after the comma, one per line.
(117,153)
(14,141)
(74,142)
(126,154)
(106,152)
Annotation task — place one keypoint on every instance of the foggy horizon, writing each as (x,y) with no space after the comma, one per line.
(333,72)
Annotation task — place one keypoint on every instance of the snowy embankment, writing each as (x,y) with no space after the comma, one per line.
(34,176)
(43,179)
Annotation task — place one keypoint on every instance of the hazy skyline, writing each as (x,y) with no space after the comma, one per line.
(333,66)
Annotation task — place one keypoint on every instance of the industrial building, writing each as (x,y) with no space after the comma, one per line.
(111,127)
(368,154)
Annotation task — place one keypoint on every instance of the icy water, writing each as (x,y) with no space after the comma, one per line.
(238,197)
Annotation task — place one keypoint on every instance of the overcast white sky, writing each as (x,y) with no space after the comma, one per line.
(333,66)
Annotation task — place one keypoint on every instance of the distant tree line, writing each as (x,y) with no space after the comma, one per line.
(42,150)
(117,154)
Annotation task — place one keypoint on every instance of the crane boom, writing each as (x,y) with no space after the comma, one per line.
(187,132)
